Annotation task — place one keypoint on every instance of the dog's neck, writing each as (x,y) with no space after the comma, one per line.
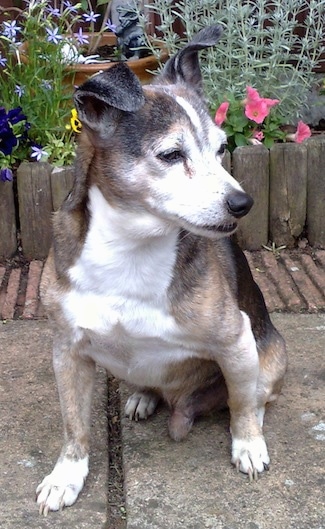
(124,250)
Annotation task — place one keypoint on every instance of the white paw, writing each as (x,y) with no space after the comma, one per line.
(141,405)
(250,456)
(61,488)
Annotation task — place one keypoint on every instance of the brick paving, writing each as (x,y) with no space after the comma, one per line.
(291,281)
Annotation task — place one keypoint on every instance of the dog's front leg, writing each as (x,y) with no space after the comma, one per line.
(241,369)
(75,380)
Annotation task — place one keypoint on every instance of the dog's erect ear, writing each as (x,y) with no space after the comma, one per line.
(101,98)
(184,66)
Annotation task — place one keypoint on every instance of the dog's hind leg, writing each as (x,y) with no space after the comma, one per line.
(141,404)
(212,395)
(75,380)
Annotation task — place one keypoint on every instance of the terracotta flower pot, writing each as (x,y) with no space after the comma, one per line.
(141,67)
(79,72)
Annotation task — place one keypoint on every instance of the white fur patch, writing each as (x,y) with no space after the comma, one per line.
(119,297)
(141,405)
(191,112)
(250,455)
(62,487)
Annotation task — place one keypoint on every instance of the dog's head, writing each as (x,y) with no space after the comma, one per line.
(156,149)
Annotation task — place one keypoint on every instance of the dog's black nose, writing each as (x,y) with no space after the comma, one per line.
(239,203)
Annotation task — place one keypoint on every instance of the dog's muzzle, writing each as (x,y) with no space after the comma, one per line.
(239,204)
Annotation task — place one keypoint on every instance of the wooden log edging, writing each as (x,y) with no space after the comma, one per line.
(287,184)
(8,238)
(316,191)
(288,192)
(251,169)
(41,190)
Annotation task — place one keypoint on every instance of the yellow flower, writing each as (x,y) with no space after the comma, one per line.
(75,122)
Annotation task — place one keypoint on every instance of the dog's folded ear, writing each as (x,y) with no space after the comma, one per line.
(184,66)
(101,98)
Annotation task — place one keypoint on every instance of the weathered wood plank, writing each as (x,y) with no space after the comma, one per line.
(316,191)
(251,170)
(35,208)
(288,192)
(226,162)
(8,239)
(61,184)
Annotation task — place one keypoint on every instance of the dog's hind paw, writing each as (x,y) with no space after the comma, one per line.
(62,487)
(141,405)
(250,456)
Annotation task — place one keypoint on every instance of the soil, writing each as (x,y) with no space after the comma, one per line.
(114,54)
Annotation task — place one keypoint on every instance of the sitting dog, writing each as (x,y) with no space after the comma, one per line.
(143,277)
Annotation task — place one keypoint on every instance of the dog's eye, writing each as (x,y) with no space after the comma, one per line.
(174,156)
(222,149)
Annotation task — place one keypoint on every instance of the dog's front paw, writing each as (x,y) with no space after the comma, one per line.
(141,404)
(61,488)
(250,456)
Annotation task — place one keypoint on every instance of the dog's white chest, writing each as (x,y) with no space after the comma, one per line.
(135,340)
(119,300)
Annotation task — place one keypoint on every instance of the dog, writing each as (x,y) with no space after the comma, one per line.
(144,277)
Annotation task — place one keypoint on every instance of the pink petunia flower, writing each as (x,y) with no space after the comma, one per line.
(221,113)
(257,107)
(256,111)
(302,133)
(252,95)
(258,135)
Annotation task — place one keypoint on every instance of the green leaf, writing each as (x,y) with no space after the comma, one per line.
(238,121)
(240,140)
(102,2)
(268,142)
(84,5)
(228,130)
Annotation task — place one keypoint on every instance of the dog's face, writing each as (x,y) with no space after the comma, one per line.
(160,149)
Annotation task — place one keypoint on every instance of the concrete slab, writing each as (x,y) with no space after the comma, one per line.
(188,485)
(31,431)
(192,484)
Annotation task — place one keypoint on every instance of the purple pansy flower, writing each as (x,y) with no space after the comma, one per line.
(15,115)
(7,139)
(6,175)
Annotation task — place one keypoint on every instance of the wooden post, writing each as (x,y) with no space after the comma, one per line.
(35,208)
(288,192)
(316,191)
(251,170)
(61,184)
(226,162)
(8,239)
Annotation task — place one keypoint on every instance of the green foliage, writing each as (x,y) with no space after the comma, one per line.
(35,48)
(33,78)
(264,45)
